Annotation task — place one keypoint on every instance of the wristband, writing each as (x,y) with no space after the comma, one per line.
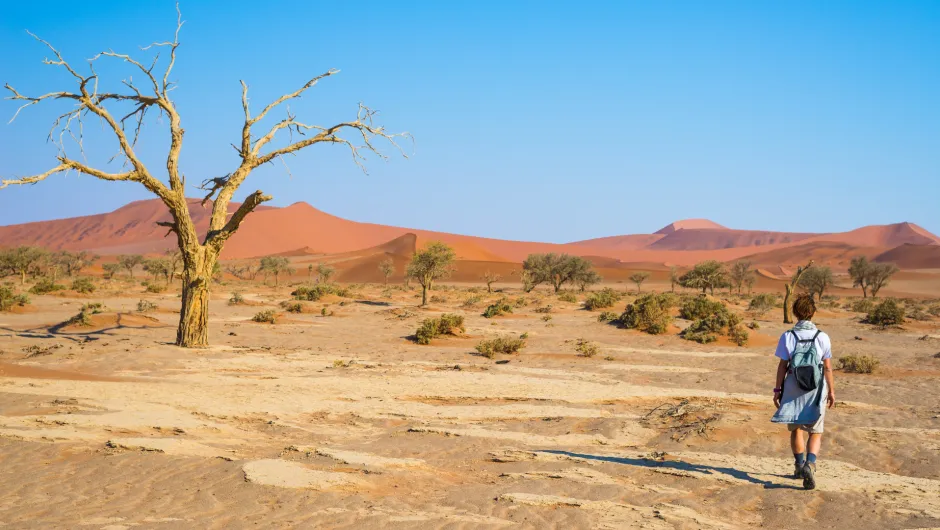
(778,390)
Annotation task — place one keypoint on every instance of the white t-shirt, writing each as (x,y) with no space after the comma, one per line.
(787,344)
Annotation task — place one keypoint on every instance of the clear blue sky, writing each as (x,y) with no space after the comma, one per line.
(533,120)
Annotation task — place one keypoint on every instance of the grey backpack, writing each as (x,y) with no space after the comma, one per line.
(804,363)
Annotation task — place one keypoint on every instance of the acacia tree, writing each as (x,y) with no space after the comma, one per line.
(75,262)
(275,265)
(816,280)
(22,261)
(200,254)
(673,278)
(431,263)
(489,278)
(638,278)
(587,279)
(707,276)
(556,269)
(740,274)
(387,268)
(130,261)
(800,271)
(324,272)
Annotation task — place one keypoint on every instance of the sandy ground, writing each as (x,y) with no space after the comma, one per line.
(343,422)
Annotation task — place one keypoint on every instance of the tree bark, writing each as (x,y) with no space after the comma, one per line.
(193,331)
(787,319)
(424,295)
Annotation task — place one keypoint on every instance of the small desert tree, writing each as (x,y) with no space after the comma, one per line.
(387,268)
(878,276)
(489,278)
(707,276)
(110,269)
(157,267)
(638,278)
(255,148)
(587,278)
(324,272)
(800,271)
(275,266)
(816,280)
(556,269)
(22,261)
(130,262)
(74,262)
(858,271)
(310,270)
(740,274)
(429,264)
(673,278)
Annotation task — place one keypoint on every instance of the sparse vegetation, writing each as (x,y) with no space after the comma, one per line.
(498,308)
(602,299)
(816,280)
(324,272)
(568,297)
(707,276)
(521,302)
(555,269)
(887,313)
(490,347)
(146,306)
(859,364)
(292,307)
(83,318)
(268,316)
(741,274)
(10,299)
(387,268)
(586,348)
(638,278)
(489,278)
(275,266)
(544,309)
(710,319)
(649,313)
(870,276)
(130,262)
(110,269)
(236,298)
(446,324)
(155,288)
(317,291)
(762,303)
(22,261)
(699,307)
(432,263)
(607,316)
(472,301)
(46,286)
(83,285)
(325,311)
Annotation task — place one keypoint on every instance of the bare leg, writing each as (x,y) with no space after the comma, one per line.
(797,443)
(815,443)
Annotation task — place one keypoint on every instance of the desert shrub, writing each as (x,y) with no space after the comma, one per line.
(918,313)
(268,316)
(547,318)
(83,318)
(649,313)
(292,307)
(326,311)
(45,286)
(544,309)
(700,307)
(523,301)
(155,288)
(607,316)
(92,308)
(446,324)
(934,310)
(9,299)
(568,297)
(859,364)
(762,303)
(83,285)
(753,325)
(145,306)
(471,300)
(236,299)
(602,299)
(718,321)
(438,299)
(887,313)
(489,348)
(317,291)
(586,348)
(497,308)
(865,305)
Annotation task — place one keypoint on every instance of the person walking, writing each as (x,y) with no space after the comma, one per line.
(804,375)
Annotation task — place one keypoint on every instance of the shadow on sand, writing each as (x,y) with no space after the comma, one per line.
(681,466)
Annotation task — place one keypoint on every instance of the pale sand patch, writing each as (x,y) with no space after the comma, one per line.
(364,459)
(683,353)
(618,515)
(575,474)
(170,446)
(653,368)
(536,439)
(284,474)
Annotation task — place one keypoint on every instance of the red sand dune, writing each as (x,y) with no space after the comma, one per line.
(301,230)
(836,255)
(908,256)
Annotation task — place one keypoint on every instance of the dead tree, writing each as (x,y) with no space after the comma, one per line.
(200,255)
(787,319)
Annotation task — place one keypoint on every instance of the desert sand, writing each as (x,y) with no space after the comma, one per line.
(344,422)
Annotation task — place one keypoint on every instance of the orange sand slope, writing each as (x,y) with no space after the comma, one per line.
(302,230)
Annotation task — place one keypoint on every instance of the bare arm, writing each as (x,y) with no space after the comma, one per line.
(827,371)
(781,374)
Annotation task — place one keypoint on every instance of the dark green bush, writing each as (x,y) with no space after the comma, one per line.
(314,292)
(865,305)
(268,316)
(700,307)
(236,299)
(446,324)
(719,320)
(602,299)
(649,313)
(887,313)
(489,348)
(568,297)
(607,316)
(45,286)
(497,308)
(83,285)
(8,298)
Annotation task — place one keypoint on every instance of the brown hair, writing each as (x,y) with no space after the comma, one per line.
(804,307)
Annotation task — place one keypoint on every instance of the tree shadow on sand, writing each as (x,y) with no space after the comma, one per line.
(58,331)
(681,466)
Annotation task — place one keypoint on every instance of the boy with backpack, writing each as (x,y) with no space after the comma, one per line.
(804,375)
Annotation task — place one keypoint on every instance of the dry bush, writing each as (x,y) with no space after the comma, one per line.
(864,305)
(700,307)
(683,419)
(887,313)
(547,318)
(523,301)
(268,316)
(859,364)
(83,318)
(762,303)
(317,291)
(83,285)
(498,308)
(45,286)
(718,319)
(649,313)
(544,309)
(607,316)
(471,301)
(155,288)
(753,325)
(146,306)
(292,307)
(438,299)
(446,324)
(489,348)
(9,299)
(236,299)
(602,299)
(568,297)
(586,348)
(325,311)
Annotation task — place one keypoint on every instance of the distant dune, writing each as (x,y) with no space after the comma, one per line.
(301,230)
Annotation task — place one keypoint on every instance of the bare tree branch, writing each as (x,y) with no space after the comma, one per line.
(217,239)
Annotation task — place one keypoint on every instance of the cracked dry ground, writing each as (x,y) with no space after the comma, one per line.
(343,422)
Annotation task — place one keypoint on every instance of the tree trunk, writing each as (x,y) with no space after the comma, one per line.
(786,305)
(193,331)
(424,295)
(23,277)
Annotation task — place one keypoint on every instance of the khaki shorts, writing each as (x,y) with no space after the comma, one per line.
(815,428)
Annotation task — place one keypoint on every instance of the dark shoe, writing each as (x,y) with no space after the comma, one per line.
(809,476)
(797,470)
